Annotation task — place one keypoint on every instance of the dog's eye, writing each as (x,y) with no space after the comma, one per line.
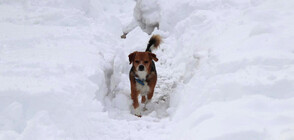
(145,62)
(136,61)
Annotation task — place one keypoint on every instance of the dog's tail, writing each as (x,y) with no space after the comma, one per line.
(154,43)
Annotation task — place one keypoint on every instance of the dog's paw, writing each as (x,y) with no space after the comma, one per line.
(137,112)
(145,108)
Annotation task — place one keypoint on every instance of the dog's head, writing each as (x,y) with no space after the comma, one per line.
(142,61)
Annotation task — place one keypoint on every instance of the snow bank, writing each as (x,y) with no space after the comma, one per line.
(243,85)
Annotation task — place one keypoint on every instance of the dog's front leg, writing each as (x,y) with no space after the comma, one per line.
(136,107)
(143,100)
(152,86)
(150,95)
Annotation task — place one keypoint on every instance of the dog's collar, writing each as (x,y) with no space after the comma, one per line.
(138,80)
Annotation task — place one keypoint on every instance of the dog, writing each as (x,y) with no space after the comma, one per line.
(143,75)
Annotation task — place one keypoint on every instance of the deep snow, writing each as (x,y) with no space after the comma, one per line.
(226,70)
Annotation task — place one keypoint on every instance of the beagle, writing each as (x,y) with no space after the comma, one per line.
(143,74)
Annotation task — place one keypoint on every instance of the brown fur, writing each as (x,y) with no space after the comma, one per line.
(157,39)
(140,58)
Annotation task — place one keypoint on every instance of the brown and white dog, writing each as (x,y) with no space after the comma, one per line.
(143,74)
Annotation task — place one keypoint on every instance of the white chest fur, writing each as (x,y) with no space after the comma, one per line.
(143,89)
(142,74)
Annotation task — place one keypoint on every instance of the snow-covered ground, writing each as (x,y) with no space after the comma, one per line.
(226,71)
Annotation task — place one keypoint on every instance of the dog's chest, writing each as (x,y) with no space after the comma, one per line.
(143,89)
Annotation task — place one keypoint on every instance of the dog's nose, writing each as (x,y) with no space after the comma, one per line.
(141,68)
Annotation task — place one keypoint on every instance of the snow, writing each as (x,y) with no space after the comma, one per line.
(146,16)
(225,70)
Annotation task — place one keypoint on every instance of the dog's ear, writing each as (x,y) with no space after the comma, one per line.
(153,56)
(132,57)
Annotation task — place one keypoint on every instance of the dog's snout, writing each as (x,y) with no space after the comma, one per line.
(141,68)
